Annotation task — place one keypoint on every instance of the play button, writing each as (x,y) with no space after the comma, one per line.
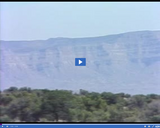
(80,61)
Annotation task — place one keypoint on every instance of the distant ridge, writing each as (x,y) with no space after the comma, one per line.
(127,62)
(143,31)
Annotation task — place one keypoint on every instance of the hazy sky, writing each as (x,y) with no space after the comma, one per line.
(31,20)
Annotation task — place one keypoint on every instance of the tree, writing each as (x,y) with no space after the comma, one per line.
(25,108)
(153,111)
(56,104)
(11,89)
(138,101)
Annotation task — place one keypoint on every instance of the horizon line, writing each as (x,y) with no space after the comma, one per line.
(84,37)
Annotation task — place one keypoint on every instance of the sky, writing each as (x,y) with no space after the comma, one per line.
(43,20)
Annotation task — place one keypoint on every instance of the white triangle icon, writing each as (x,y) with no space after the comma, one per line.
(80,61)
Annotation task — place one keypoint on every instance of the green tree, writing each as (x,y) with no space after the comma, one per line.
(56,104)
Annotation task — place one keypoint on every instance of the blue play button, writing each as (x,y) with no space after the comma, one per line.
(80,61)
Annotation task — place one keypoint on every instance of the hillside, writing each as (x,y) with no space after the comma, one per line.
(127,62)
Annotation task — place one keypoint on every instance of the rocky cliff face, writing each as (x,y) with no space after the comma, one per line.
(128,62)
